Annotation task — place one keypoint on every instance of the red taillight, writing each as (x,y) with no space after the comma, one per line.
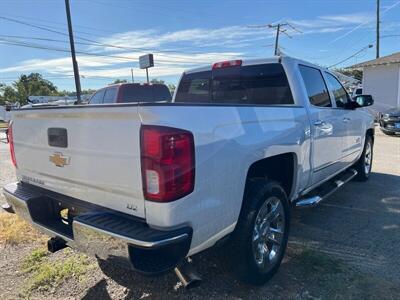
(226,64)
(167,157)
(11,142)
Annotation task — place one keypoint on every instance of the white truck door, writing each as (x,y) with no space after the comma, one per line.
(351,120)
(327,130)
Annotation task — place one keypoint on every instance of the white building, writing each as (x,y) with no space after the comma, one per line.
(381,79)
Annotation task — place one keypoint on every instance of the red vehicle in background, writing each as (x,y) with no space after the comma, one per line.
(131,92)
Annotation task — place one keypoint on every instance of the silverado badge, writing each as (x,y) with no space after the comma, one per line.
(59,159)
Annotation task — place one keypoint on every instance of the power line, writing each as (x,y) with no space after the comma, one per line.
(390,35)
(365,23)
(364,48)
(96,43)
(22,44)
(47,48)
(19,37)
(61,23)
(351,56)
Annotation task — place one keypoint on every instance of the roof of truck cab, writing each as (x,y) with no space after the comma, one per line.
(257,61)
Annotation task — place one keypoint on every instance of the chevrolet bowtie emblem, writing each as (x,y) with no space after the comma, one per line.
(59,160)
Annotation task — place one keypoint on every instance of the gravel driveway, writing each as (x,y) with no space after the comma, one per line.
(347,247)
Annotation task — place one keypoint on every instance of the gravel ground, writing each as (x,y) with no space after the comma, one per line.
(347,247)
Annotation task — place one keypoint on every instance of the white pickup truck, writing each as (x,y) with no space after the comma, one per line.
(147,185)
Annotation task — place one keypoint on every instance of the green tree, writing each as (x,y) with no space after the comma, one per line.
(7,94)
(33,85)
(119,81)
(155,80)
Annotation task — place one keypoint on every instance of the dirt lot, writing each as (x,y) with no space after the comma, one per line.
(348,247)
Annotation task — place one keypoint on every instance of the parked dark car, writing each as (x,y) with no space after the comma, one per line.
(389,121)
(131,92)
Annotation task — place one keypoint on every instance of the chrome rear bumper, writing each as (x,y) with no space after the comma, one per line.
(100,232)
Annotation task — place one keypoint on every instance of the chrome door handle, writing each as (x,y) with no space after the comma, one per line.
(319,123)
(345,120)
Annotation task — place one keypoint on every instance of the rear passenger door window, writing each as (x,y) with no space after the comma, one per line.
(340,94)
(97,98)
(267,84)
(110,95)
(315,85)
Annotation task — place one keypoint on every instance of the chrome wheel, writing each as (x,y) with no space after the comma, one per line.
(268,233)
(368,158)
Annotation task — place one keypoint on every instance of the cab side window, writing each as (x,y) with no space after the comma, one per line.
(315,86)
(340,94)
(97,98)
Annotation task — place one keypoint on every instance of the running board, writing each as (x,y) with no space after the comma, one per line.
(320,193)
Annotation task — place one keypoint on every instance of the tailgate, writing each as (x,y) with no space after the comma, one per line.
(90,153)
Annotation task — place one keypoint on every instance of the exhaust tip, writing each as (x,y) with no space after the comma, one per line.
(188,275)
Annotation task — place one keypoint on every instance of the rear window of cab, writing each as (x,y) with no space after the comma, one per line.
(264,84)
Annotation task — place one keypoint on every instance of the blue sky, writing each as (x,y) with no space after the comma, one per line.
(111,34)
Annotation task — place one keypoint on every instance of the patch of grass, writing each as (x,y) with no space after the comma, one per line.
(14,230)
(44,273)
(32,262)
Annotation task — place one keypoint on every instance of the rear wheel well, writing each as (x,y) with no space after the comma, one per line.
(279,168)
(370,132)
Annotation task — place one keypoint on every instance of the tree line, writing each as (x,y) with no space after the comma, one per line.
(32,85)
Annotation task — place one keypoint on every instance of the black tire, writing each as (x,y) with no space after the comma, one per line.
(362,167)
(242,258)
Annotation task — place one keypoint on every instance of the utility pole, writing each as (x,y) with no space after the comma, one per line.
(279,29)
(377,28)
(132,75)
(74,62)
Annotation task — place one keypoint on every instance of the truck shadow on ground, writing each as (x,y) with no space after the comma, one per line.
(343,227)
(217,282)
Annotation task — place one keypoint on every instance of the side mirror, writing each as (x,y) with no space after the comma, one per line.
(363,100)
